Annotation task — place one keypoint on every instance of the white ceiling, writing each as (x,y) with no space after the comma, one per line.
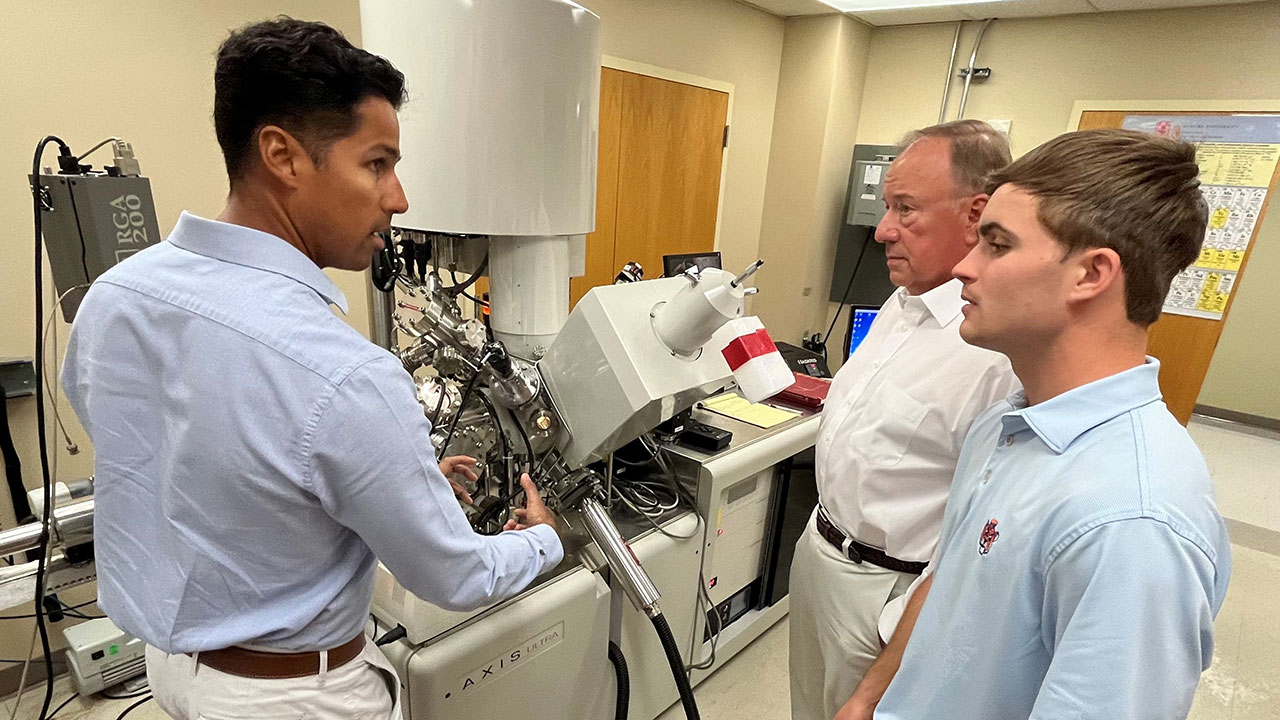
(975,10)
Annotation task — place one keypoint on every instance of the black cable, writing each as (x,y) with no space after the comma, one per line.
(502,435)
(843,298)
(435,416)
(29,616)
(624,681)
(474,299)
(12,464)
(454,276)
(392,635)
(484,265)
(462,405)
(528,446)
(453,426)
(677,666)
(130,696)
(75,611)
(134,706)
(43,565)
(64,704)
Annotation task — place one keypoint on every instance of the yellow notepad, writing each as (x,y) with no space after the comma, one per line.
(735,406)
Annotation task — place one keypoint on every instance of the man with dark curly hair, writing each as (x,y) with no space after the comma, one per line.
(255,456)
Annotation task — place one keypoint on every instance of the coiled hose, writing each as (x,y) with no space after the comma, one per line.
(624,681)
(677,666)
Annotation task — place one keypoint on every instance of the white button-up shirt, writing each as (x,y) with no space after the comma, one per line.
(896,418)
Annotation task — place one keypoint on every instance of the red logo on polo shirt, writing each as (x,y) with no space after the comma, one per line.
(989,537)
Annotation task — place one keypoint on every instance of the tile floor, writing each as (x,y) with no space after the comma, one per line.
(1243,684)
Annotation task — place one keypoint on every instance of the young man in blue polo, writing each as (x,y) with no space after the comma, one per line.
(1082,557)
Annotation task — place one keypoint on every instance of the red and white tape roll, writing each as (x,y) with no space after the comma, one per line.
(754,360)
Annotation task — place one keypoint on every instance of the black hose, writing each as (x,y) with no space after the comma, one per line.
(528,446)
(677,666)
(462,405)
(624,681)
(502,435)
(392,635)
(466,285)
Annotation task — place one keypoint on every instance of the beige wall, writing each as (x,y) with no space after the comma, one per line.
(719,40)
(1040,67)
(819,92)
(141,70)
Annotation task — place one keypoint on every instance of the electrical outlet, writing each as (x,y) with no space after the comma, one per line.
(1003,126)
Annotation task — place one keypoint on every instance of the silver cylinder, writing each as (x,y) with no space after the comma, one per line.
(71,524)
(636,583)
(382,305)
(20,539)
(74,523)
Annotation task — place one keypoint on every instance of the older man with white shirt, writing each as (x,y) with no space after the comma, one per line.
(895,420)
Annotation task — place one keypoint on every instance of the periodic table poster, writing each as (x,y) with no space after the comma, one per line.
(1237,155)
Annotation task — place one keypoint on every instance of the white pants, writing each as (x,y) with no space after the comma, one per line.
(365,687)
(835,614)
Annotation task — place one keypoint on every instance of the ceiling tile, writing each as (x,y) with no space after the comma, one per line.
(1025,8)
(790,8)
(911,16)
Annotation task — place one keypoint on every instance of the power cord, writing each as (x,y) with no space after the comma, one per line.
(64,704)
(135,706)
(822,346)
(67,162)
(391,636)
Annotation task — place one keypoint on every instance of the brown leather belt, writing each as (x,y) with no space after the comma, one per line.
(243,662)
(859,552)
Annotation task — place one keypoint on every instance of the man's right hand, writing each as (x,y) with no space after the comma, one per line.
(856,709)
(862,705)
(534,512)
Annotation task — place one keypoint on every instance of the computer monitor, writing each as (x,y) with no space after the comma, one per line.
(673,265)
(860,319)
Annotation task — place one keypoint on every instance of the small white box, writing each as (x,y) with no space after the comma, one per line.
(101,655)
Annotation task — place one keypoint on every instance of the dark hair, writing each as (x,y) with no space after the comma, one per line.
(1135,193)
(304,77)
(977,150)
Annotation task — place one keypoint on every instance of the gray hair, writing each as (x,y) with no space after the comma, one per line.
(977,150)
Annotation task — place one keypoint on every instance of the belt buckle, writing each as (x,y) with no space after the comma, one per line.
(850,551)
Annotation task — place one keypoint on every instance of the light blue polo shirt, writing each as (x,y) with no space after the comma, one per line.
(1081,564)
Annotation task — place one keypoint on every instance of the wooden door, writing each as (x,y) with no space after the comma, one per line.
(1183,344)
(658,180)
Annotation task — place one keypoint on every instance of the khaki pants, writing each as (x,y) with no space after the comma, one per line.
(365,687)
(834,620)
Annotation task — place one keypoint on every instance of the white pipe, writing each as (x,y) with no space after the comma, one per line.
(973,58)
(951,67)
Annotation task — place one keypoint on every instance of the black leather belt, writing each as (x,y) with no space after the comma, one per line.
(860,553)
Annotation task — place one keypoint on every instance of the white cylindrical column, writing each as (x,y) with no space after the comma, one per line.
(528,291)
(499,131)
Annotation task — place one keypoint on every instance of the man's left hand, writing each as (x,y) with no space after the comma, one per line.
(463,465)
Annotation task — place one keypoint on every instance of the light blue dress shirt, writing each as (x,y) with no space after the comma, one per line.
(1081,564)
(254,454)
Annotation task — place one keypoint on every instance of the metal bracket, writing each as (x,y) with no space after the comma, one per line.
(18,377)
